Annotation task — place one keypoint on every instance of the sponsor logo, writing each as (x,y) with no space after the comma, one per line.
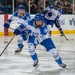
(62,22)
(72,22)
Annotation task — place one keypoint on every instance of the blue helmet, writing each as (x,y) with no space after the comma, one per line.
(21,7)
(38,17)
(59,3)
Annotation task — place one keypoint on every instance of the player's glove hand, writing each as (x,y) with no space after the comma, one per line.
(26,32)
(19,29)
(6,25)
(49,14)
(16,32)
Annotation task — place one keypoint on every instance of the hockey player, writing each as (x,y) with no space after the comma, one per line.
(39,34)
(52,14)
(19,16)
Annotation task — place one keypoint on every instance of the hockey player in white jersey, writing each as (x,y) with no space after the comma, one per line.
(18,17)
(52,14)
(39,34)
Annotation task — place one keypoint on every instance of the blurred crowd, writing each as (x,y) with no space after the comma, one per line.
(6,6)
(67,6)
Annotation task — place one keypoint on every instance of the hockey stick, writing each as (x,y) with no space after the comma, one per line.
(11,28)
(67,38)
(7,45)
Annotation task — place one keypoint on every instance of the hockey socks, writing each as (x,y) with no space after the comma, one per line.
(57,57)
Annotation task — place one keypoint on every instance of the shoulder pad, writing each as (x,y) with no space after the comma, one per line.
(60,10)
(30,22)
(52,7)
(16,13)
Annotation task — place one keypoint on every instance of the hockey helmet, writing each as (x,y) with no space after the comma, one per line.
(59,3)
(22,7)
(38,17)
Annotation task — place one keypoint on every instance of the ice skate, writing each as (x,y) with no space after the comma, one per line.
(35,64)
(61,35)
(63,65)
(19,49)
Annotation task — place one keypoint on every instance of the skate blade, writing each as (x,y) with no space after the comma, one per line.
(37,66)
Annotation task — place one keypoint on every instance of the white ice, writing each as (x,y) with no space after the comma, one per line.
(12,63)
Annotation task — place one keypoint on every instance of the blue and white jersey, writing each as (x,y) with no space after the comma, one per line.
(18,19)
(25,17)
(52,13)
(39,33)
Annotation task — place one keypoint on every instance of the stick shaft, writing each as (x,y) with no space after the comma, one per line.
(65,37)
(7,45)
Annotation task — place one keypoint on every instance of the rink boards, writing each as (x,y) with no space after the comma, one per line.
(67,23)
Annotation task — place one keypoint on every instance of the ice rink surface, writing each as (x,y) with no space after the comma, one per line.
(12,63)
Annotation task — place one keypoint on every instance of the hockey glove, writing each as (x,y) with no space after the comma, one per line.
(49,14)
(16,32)
(19,29)
(6,25)
(26,31)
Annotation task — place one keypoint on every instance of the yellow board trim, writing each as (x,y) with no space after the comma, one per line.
(53,32)
(65,31)
(10,33)
(1,33)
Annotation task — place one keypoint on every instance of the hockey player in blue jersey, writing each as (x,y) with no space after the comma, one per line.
(52,14)
(19,16)
(39,34)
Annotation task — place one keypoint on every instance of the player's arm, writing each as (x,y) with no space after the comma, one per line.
(57,24)
(46,10)
(22,29)
(57,18)
(29,17)
(7,23)
(19,29)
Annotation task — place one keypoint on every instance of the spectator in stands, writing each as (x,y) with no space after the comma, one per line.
(40,10)
(55,1)
(7,6)
(26,4)
(33,8)
(70,9)
(19,2)
(74,7)
(22,2)
(47,3)
(66,7)
(36,6)
(41,3)
(40,6)
(36,2)
(1,9)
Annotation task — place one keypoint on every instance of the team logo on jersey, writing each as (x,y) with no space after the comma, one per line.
(45,30)
(27,18)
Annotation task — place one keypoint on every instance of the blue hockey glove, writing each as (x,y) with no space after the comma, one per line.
(16,32)
(19,30)
(29,31)
(26,31)
(49,14)
(6,25)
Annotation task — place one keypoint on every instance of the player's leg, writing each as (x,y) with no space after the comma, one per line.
(59,27)
(51,23)
(20,43)
(57,57)
(48,23)
(31,49)
(49,45)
